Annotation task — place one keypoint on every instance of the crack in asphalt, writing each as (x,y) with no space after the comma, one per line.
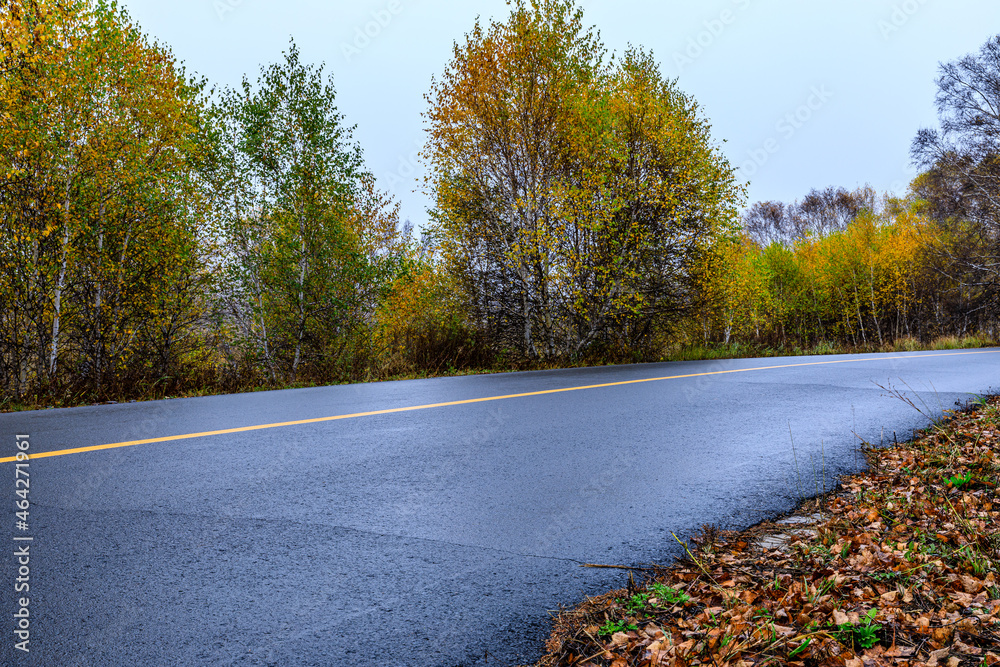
(288,522)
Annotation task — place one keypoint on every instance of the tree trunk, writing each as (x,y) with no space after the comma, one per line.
(300,329)
(97,335)
(871,290)
(529,345)
(60,284)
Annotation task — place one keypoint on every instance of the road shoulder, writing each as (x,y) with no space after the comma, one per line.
(897,567)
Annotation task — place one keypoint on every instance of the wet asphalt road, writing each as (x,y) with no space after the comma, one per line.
(428,537)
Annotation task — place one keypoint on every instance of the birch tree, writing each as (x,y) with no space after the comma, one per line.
(99,202)
(572,195)
(307,234)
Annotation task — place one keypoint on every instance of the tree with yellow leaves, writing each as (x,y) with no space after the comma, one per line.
(99,206)
(572,197)
(737,300)
(867,281)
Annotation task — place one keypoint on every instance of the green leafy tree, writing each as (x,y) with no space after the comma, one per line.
(309,241)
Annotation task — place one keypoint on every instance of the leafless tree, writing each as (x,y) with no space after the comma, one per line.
(963,155)
(819,213)
(961,182)
(822,212)
(766,222)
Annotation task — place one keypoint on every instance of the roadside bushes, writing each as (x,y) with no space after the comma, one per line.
(421,326)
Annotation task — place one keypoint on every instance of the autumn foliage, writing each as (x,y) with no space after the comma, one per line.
(880,277)
(573,197)
(99,206)
(158,237)
(421,326)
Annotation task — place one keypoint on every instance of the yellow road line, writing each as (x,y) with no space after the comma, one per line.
(246,429)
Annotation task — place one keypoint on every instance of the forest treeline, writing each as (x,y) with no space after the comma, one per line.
(849,269)
(158,236)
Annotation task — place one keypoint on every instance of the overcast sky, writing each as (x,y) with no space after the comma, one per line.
(804,93)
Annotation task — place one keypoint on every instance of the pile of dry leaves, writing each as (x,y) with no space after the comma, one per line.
(899,567)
